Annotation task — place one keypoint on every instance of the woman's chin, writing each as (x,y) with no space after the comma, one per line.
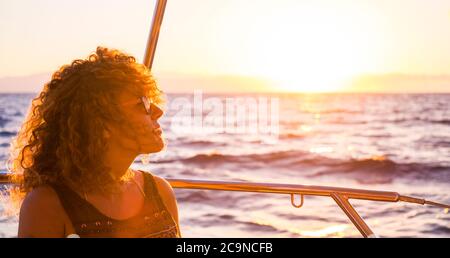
(159,148)
(155,147)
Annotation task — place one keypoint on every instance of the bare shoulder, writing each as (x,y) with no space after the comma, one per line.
(162,184)
(43,195)
(168,195)
(41,214)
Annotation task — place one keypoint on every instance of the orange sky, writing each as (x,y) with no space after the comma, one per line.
(251,45)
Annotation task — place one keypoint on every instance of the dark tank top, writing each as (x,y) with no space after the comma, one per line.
(153,221)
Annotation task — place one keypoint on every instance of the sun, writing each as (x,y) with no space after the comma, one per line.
(318,50)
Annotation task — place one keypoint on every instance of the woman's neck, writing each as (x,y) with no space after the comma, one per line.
(119,161)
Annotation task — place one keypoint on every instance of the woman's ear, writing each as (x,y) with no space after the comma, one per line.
(107,134)
(109,130)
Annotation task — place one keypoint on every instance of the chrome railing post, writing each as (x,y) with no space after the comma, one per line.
(152,41)
(353,215)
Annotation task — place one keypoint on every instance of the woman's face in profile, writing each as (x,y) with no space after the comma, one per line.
(142,119)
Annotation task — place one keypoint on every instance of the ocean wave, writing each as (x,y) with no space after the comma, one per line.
(434,141)
(297,217)
(207,158)
(226,217)
(226,199)
(3,121)
(194,196)
(292,136)
(258,226)
(366,170)
(383,171)
(7,134)
(440,121)
(229,158)
(442,144)
(202,143)
(18,113)
(411,120)
(437,229)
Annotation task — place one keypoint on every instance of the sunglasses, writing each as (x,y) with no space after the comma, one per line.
(144,101)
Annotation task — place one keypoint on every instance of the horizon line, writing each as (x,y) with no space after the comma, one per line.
(273,92)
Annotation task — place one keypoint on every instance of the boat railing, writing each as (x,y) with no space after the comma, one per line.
(340,195)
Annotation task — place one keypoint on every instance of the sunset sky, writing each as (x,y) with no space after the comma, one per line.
(240,45)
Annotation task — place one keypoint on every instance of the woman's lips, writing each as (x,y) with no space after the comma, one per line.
(156,125)
(157,131)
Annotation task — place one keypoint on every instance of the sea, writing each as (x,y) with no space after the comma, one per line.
(390,142)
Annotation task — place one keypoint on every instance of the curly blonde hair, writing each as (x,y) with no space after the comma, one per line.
(62,139)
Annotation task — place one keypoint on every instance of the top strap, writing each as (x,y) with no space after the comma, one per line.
(151,190)
(78,209)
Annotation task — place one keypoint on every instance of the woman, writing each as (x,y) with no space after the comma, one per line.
(71,159)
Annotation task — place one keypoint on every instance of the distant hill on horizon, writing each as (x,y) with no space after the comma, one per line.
(177,83)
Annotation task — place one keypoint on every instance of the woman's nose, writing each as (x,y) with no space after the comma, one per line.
(156,112)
